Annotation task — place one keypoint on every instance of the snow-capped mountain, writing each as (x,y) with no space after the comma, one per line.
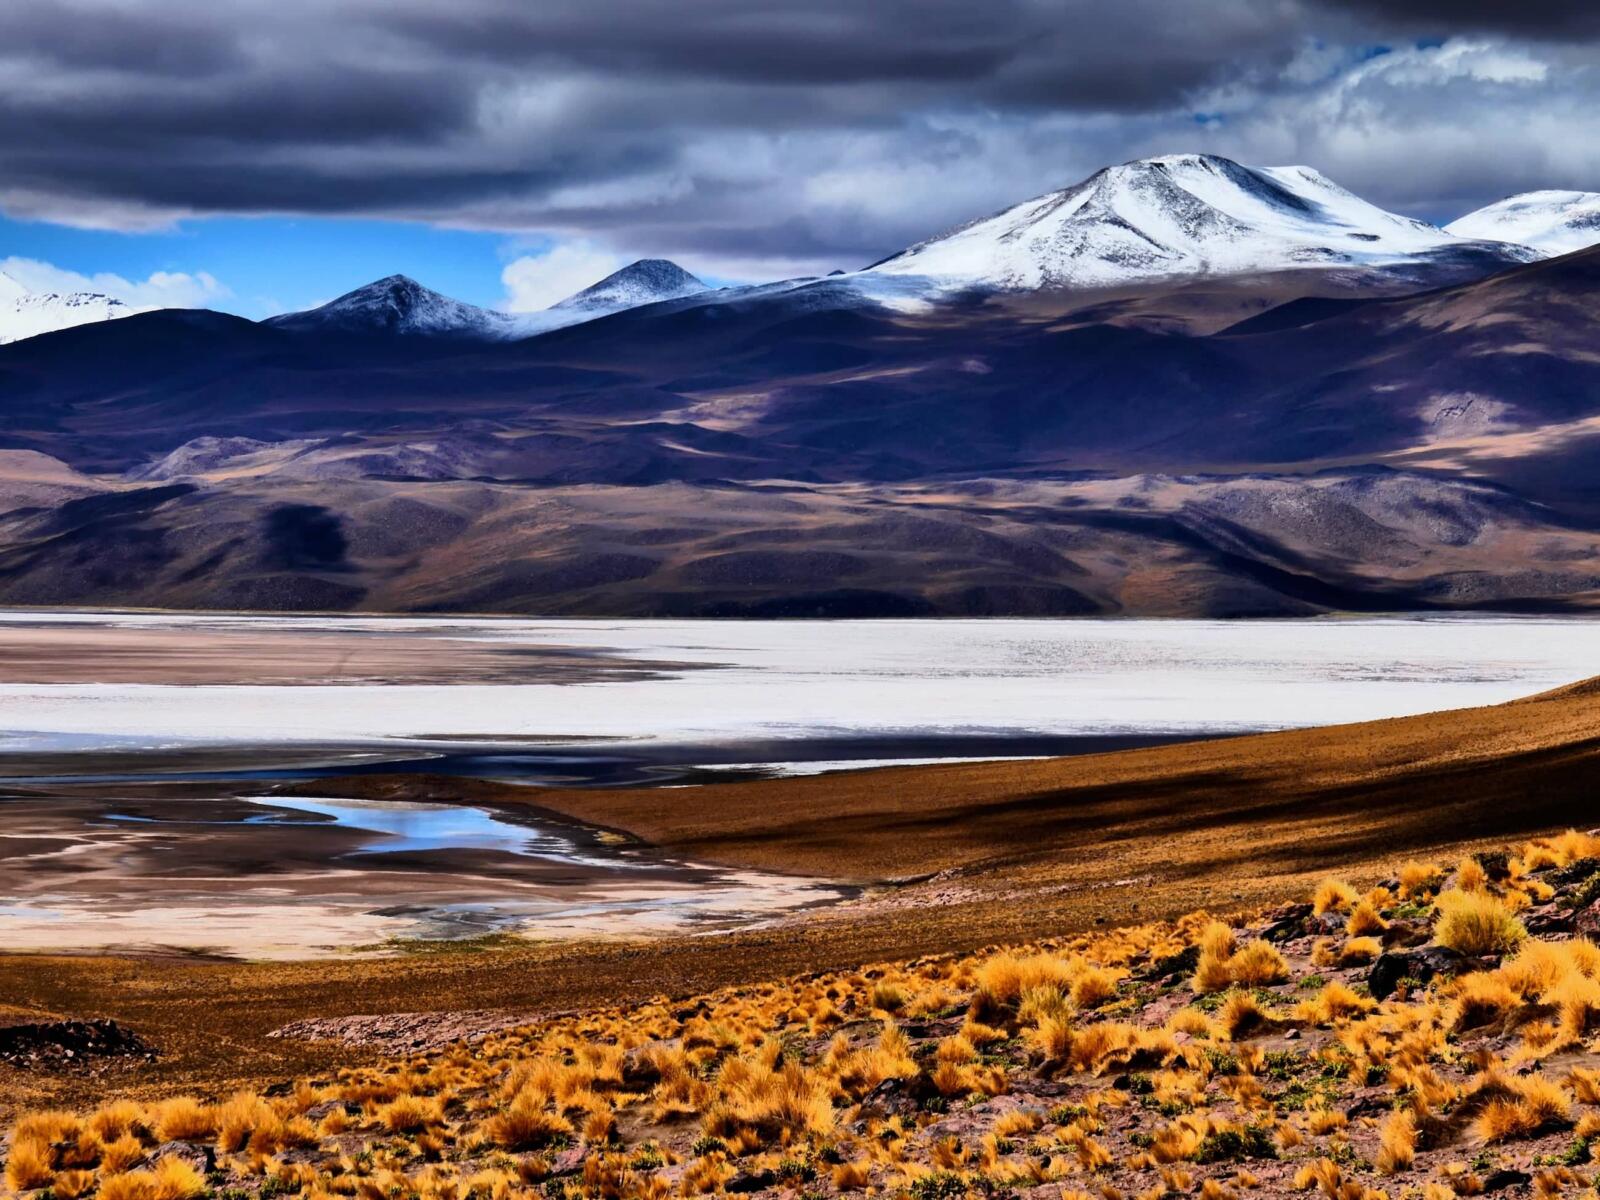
(400,305)
(1180,215)
(644,282)
(1551,222)
(647,281)
(25,314)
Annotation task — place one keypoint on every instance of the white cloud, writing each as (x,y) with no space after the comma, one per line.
(536,281)
(163,289)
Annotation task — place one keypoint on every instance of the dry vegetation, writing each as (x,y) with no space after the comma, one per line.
(1194,1057)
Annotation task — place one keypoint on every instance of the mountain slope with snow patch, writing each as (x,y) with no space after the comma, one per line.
(25,314)
(1552,222)
(399,305)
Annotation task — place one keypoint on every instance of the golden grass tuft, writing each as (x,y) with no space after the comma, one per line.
(1365,919)
(1397,1142)
(1477,923)
(1333,895)
(526,1124)
(1418,880)
(1530,1105)
(185,1120)
(410,1114)
(1257,964)
(28,1165)
(170,1179)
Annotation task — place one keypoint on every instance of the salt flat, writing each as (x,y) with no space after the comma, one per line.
(786,684)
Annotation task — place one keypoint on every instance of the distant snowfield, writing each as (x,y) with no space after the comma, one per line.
(728,683)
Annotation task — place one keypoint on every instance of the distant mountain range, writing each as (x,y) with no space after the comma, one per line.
(1183,386)
(1180,216)
(397,305)
(25,313)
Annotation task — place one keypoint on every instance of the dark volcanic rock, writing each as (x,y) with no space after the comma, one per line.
(1422,965)
(1546,919)
(1573,872)
(1175,966)
(1505,1178)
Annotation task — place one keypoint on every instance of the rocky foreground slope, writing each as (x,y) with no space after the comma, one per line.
(1429,1037)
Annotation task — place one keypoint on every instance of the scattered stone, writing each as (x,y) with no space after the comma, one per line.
(1574,872)
(1587,920)
(1548,919)
(1327,923)
(80,1046)
(1286,923)
(408,1032)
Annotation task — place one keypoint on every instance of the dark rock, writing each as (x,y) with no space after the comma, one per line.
(1587,920)
(1327,923)
(1421,964)
(1175,965)
(1548,919)
(1496,864)
(1573,872)
(1505,1177)
(751,1181)
(63,1045)
(1286,923)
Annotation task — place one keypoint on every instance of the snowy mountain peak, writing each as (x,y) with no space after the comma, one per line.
(643,282)
(25,314)
(10,290)
(399,305)
(1178,215)
(1552,222)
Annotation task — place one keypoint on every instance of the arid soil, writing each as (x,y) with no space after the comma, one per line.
(1010,852)
(1429,1036)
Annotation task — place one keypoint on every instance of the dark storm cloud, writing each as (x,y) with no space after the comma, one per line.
(1548,18)
(745,133)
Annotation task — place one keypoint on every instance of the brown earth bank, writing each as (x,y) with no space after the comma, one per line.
(101,651)
(1004,852)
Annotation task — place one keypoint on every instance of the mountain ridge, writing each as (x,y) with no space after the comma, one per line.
(1188,214)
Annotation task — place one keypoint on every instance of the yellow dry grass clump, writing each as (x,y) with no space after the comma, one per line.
(1191,1058)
